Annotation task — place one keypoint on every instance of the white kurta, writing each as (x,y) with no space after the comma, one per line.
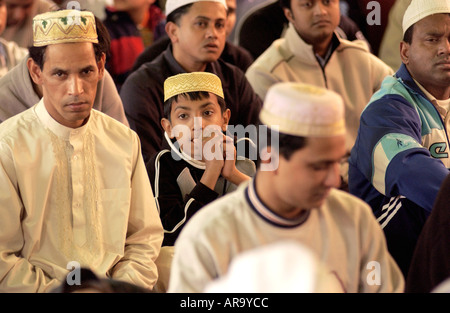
(343,233)
(74,195)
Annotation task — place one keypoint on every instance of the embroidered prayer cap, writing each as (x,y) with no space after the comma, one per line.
(303,110)
(191,82)
(172,5)
(64,26)
(419,9)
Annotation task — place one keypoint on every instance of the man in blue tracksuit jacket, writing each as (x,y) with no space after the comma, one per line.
(401,154)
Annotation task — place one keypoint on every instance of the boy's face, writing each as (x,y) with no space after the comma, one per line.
(191,120)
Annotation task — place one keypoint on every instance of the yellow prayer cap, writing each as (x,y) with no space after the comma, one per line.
(420,9)
(64,26)
(303,110)
(191,82)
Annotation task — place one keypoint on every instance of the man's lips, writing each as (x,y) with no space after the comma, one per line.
(322,23)
(211,46)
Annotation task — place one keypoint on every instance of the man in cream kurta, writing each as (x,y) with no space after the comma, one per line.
(294,200)
(74,186)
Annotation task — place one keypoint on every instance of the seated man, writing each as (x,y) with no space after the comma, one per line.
(292,197)
(189,173)
(401,155)
(250,36)
(19,93)
(197,34)
(74,185)
(312,52)
(231,53)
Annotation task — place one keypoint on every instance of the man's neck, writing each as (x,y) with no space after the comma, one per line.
(439,93)
(265,191)
(188,65)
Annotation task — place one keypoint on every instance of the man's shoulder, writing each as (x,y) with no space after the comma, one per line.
(276,53)
(20,123)
(343,203)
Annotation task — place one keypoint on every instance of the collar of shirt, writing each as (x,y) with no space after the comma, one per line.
(267,214)
(442,106)
(55,127)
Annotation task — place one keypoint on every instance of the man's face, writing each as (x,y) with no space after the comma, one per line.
(428,56)
(314,20)
(231,16)
(304,181)
(200,36)
(18,11)
(3,16)
(69,81)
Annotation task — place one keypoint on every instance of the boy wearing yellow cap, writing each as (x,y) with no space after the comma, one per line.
(75,192)
(297,199)
(198,163)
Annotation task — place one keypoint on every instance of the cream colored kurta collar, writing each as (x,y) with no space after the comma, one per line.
(58,129)
(299,47)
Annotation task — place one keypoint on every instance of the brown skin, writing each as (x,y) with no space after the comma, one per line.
(209,114)
(200,37)
(68,81)
(315,21)
(427,58)
(304,181)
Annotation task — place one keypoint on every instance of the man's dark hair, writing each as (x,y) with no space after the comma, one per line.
(407,37)
(192,96)
(103,46)
(287,144)
(285,4)
(175,15)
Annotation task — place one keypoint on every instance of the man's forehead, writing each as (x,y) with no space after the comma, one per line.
(207,8)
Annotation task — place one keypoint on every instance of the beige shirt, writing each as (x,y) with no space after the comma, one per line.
(343,233)
(352,71)
(78,195)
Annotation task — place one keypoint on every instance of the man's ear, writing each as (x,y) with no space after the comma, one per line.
(172,31)
(35,71)
(167,126)
(404,52)
(101,66)
(288,14)
(226,119)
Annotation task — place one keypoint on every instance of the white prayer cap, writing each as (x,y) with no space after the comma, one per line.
(419,9)
(172,5)
(303,110)
(282,267)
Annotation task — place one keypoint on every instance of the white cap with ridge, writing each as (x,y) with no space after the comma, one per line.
(172,5)
(420,9)
(303,110)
